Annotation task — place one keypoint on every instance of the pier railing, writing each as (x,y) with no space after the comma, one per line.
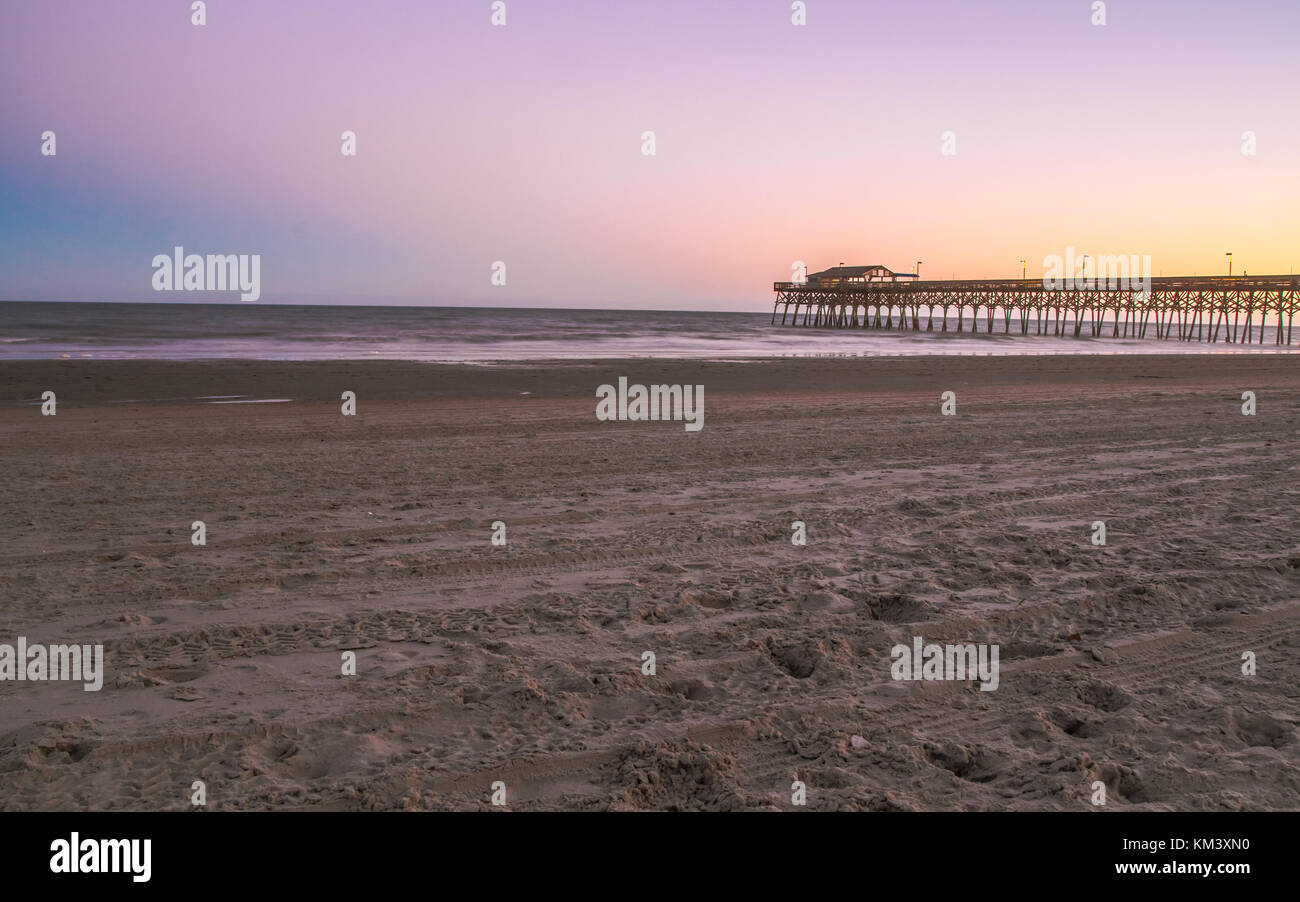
(1189,308)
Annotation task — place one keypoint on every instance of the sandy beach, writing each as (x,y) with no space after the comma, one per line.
(523,663)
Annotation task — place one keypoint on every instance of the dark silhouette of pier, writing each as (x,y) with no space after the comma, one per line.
(1186,308)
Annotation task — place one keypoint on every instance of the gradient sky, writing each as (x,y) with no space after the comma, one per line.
(775,143)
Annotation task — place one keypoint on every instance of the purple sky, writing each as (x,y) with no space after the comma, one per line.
(522,144)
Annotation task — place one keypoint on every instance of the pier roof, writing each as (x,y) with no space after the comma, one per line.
(855,272)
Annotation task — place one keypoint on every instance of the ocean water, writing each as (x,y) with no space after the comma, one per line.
(31,330)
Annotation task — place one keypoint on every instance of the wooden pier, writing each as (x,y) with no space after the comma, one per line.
(1187,308)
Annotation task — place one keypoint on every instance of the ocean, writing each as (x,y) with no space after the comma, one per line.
(31,330)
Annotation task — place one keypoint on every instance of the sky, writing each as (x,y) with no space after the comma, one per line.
(523,144)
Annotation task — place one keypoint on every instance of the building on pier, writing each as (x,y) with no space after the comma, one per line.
(850,275)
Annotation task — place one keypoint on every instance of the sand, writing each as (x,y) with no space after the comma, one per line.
(523,664)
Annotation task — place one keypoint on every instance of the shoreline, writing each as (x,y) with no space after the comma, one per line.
(100,382)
